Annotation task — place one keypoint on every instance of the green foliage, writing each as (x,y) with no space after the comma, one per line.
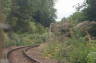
(26,39)
(25,11)
(36,28)
(7,6)
(45,14)
(52,50)
(90,10)
(74,50)
(77,17)
(91,57)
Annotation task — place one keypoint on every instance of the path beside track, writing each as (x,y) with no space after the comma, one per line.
(36,53)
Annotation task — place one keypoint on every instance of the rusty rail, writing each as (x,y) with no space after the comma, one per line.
(23,52)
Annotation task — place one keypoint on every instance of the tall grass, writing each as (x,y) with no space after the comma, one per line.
(76,49)
(26,39)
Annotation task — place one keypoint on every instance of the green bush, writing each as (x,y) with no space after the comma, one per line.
(91,57)
(72,50)
(26,39)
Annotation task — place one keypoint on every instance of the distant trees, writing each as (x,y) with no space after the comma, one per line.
(77,16)
(85,12)
(25,11)
(44,12)
(20,15)
(90,11)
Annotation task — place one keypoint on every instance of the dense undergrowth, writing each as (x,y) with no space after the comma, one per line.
(26,39)
(76,49)
(37,35)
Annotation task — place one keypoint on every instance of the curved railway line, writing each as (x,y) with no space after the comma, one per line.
(18,55)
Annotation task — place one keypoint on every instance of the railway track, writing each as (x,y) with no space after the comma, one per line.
(18,55)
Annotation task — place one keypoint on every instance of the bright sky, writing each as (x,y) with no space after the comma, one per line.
(66,8)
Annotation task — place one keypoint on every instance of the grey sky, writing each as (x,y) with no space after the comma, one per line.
(65,7)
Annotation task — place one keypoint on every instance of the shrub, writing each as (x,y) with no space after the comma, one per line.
(26,39)
(91,57)
(72,50)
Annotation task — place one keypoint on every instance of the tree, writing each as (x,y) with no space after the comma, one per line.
(90,11)
(77,16)
(7,6)
(19,16)
(25,11)
(45,14)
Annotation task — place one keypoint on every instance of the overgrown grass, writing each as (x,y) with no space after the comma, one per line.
(74,50)
(26,39)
